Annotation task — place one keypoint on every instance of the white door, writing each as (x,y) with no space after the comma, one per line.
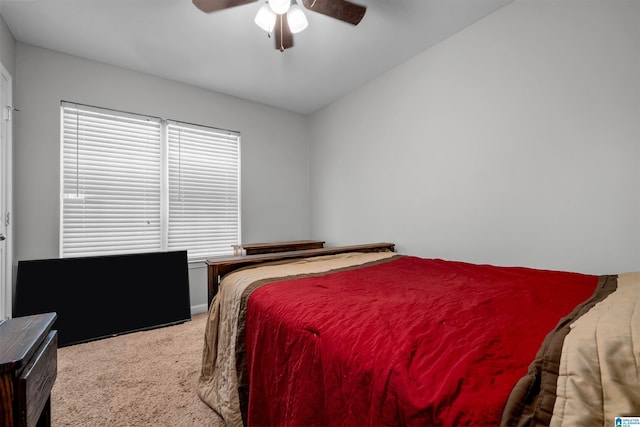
(6,276)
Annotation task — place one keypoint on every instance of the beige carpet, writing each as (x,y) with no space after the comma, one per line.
(140,379)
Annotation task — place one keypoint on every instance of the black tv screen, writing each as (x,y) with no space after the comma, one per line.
(102,296)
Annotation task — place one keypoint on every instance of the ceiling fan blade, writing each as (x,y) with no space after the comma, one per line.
(214,5)
(282,33)
(339,9)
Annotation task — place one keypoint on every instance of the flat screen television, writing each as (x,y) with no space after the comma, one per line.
(102,296)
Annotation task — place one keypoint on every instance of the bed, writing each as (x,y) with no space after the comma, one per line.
(364,336)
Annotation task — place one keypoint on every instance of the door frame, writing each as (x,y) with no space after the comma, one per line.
(6,195)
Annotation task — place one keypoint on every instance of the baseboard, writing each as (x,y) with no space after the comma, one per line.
(201,308)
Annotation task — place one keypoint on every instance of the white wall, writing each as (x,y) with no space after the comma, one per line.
(275,147)
(514,142)
(7,48)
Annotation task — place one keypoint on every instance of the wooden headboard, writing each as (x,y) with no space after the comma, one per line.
(218,267)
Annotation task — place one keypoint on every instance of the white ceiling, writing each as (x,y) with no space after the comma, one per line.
(226,52)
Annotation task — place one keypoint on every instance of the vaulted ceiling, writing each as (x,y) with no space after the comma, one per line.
(226,52)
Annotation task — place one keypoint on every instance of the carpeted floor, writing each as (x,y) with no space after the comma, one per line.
(144,378)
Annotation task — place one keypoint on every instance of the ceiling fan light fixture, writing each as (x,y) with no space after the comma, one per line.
(296,18)
(280,6)
(266,18)
(283,18)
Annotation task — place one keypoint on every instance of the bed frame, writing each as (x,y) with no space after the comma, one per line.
(218,267)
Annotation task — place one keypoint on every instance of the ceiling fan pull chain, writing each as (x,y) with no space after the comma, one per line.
(281,37)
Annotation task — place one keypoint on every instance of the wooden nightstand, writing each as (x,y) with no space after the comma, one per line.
(28,368)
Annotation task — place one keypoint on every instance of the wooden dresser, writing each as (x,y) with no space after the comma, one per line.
(28,368)
(267,248)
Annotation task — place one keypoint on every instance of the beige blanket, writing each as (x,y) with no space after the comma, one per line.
(587,372)
(220,380)
(599,376)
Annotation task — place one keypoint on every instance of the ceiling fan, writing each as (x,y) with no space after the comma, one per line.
(285,18)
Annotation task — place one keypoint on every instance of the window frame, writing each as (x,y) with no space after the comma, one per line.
(164,208)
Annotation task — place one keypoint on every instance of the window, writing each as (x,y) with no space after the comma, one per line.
(133,183)
(203,190)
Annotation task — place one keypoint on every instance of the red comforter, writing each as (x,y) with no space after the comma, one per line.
(410,341)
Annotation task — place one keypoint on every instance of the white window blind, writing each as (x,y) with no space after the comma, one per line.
(111,182)
(204,188)
(134,183)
